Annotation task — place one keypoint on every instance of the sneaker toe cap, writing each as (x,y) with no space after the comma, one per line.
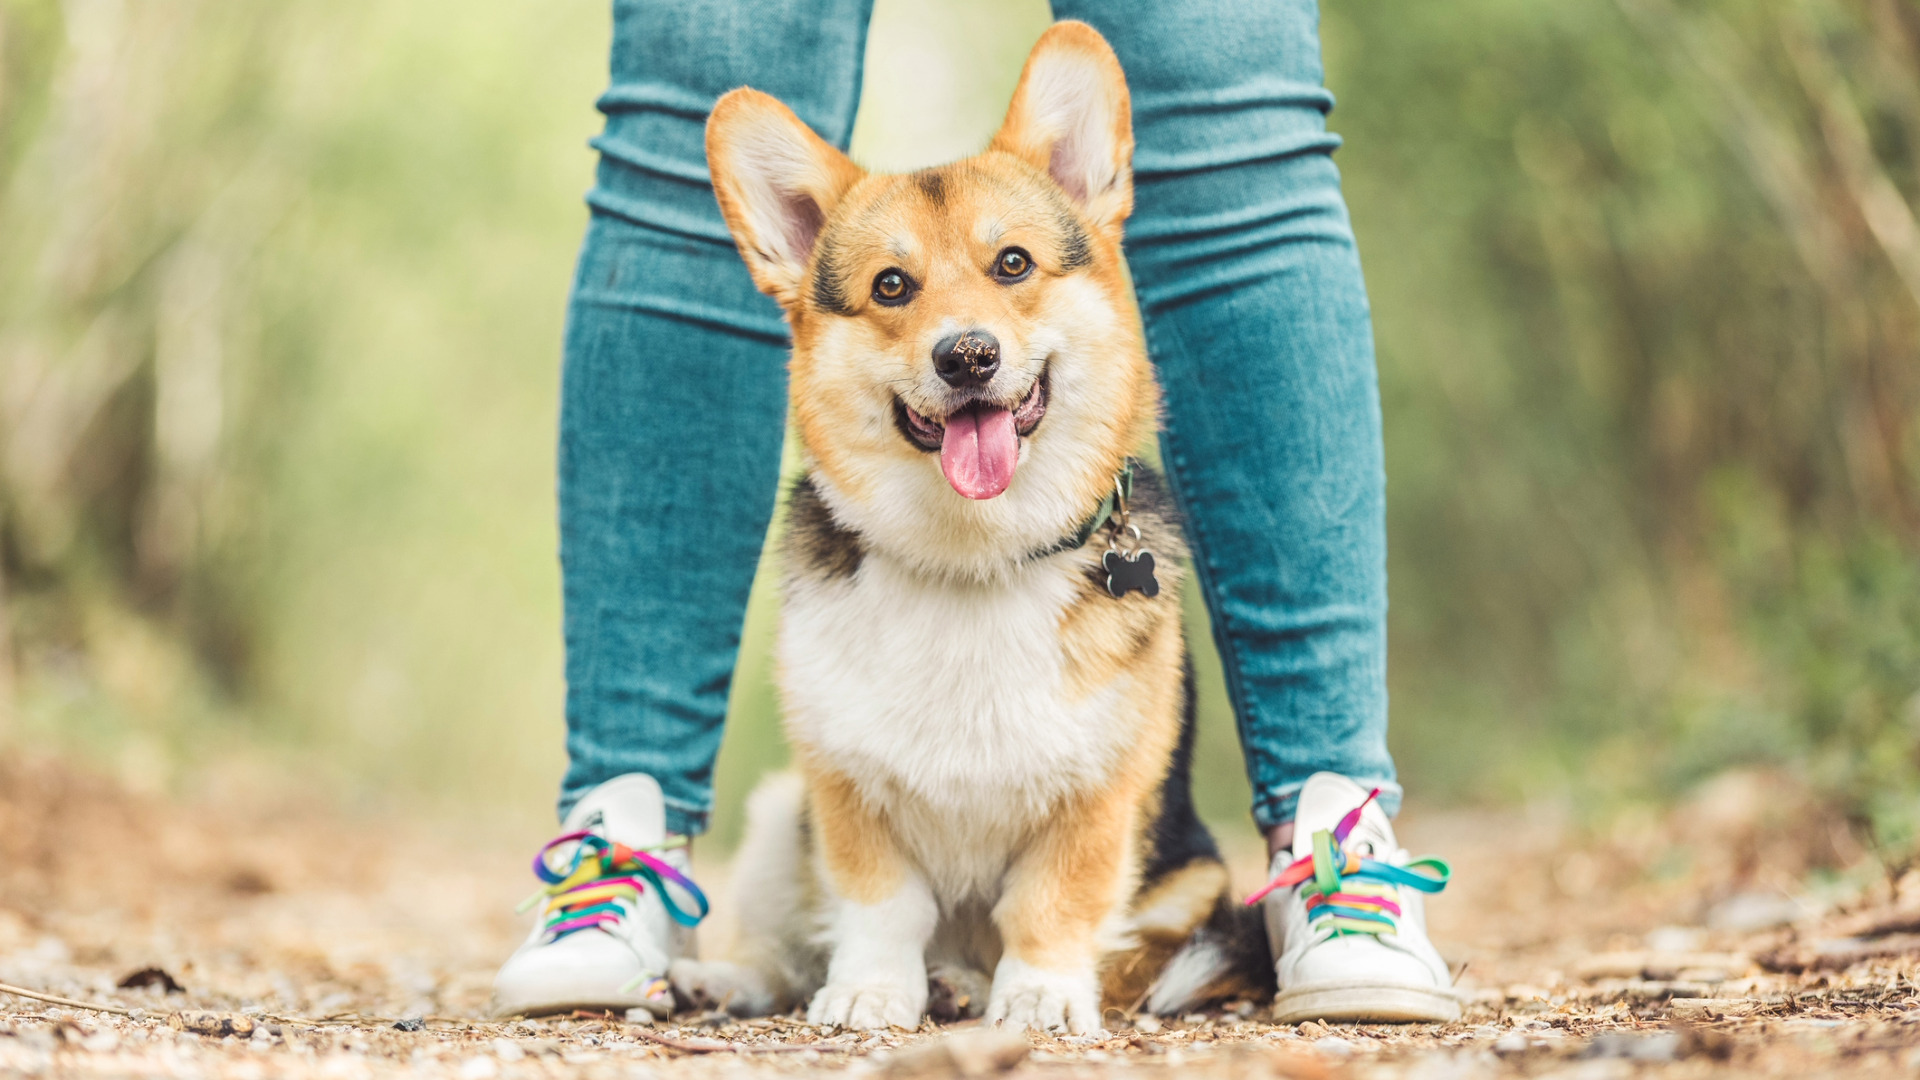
(1361,959)
(581,970)
(1364,979)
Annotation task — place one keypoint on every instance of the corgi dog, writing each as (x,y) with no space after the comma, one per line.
(980,649)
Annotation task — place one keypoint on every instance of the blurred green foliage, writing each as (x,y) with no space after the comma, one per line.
(1647,290)
(281,288)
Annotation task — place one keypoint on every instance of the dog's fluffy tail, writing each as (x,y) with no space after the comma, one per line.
(1228,957)
(775,963)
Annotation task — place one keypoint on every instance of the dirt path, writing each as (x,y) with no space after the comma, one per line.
(1682,945)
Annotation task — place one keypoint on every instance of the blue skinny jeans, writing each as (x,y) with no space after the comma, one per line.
(674,388)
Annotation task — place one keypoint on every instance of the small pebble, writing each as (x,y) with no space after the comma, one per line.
(1659,1046)
(101,1042)
(1676,939)
(1511,1043)
(1097,1035)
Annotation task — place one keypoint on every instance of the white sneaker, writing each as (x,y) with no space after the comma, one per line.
(603,938)
(1364,955)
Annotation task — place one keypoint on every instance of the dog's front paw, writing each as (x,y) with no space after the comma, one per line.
(1026,996)
(868,1005)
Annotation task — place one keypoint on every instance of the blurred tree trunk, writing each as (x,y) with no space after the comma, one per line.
(138,181)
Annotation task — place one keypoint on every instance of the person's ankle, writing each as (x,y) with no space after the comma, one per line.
(1279,838)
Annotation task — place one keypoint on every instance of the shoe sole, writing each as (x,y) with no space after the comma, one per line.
(504,1009)
(1365,1002)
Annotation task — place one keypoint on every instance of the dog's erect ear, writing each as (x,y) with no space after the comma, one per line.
(1071,117)
(776,182)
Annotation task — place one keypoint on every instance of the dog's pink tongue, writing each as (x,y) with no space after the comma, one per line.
(979,451)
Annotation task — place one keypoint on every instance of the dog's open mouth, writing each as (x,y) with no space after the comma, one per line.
(979,442)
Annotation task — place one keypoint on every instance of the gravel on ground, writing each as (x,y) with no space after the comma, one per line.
(254,934)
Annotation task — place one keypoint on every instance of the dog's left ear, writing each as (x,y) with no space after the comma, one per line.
(1071,117)
(776,182)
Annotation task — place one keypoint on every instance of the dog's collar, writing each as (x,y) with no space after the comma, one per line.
(1125,572)
(1121,488)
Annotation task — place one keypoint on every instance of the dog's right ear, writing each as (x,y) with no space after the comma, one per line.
(1072,118)
(776,182)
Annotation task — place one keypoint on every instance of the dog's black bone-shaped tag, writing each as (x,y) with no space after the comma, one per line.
(1130,572)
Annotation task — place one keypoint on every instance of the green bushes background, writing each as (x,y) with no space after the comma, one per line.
(281,289)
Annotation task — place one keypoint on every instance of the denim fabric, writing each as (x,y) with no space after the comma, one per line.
(1249,284)
(674,392)
(1256,316)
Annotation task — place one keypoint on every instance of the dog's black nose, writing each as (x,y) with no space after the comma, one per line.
(967,358)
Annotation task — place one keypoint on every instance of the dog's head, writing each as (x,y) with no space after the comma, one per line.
(967,370)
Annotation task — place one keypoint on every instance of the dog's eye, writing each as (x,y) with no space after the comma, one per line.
(1012,265)
(892,287)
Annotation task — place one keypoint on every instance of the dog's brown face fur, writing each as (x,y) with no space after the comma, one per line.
(965,352)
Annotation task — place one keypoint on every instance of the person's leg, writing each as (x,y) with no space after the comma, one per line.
(673,396)
(1257,321)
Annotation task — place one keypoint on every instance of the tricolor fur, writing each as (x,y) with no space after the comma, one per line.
(992,750)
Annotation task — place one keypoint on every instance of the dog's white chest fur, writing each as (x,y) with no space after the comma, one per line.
(945,703)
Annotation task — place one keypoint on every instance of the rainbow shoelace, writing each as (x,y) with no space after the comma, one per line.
(591,887)
(1349,893)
